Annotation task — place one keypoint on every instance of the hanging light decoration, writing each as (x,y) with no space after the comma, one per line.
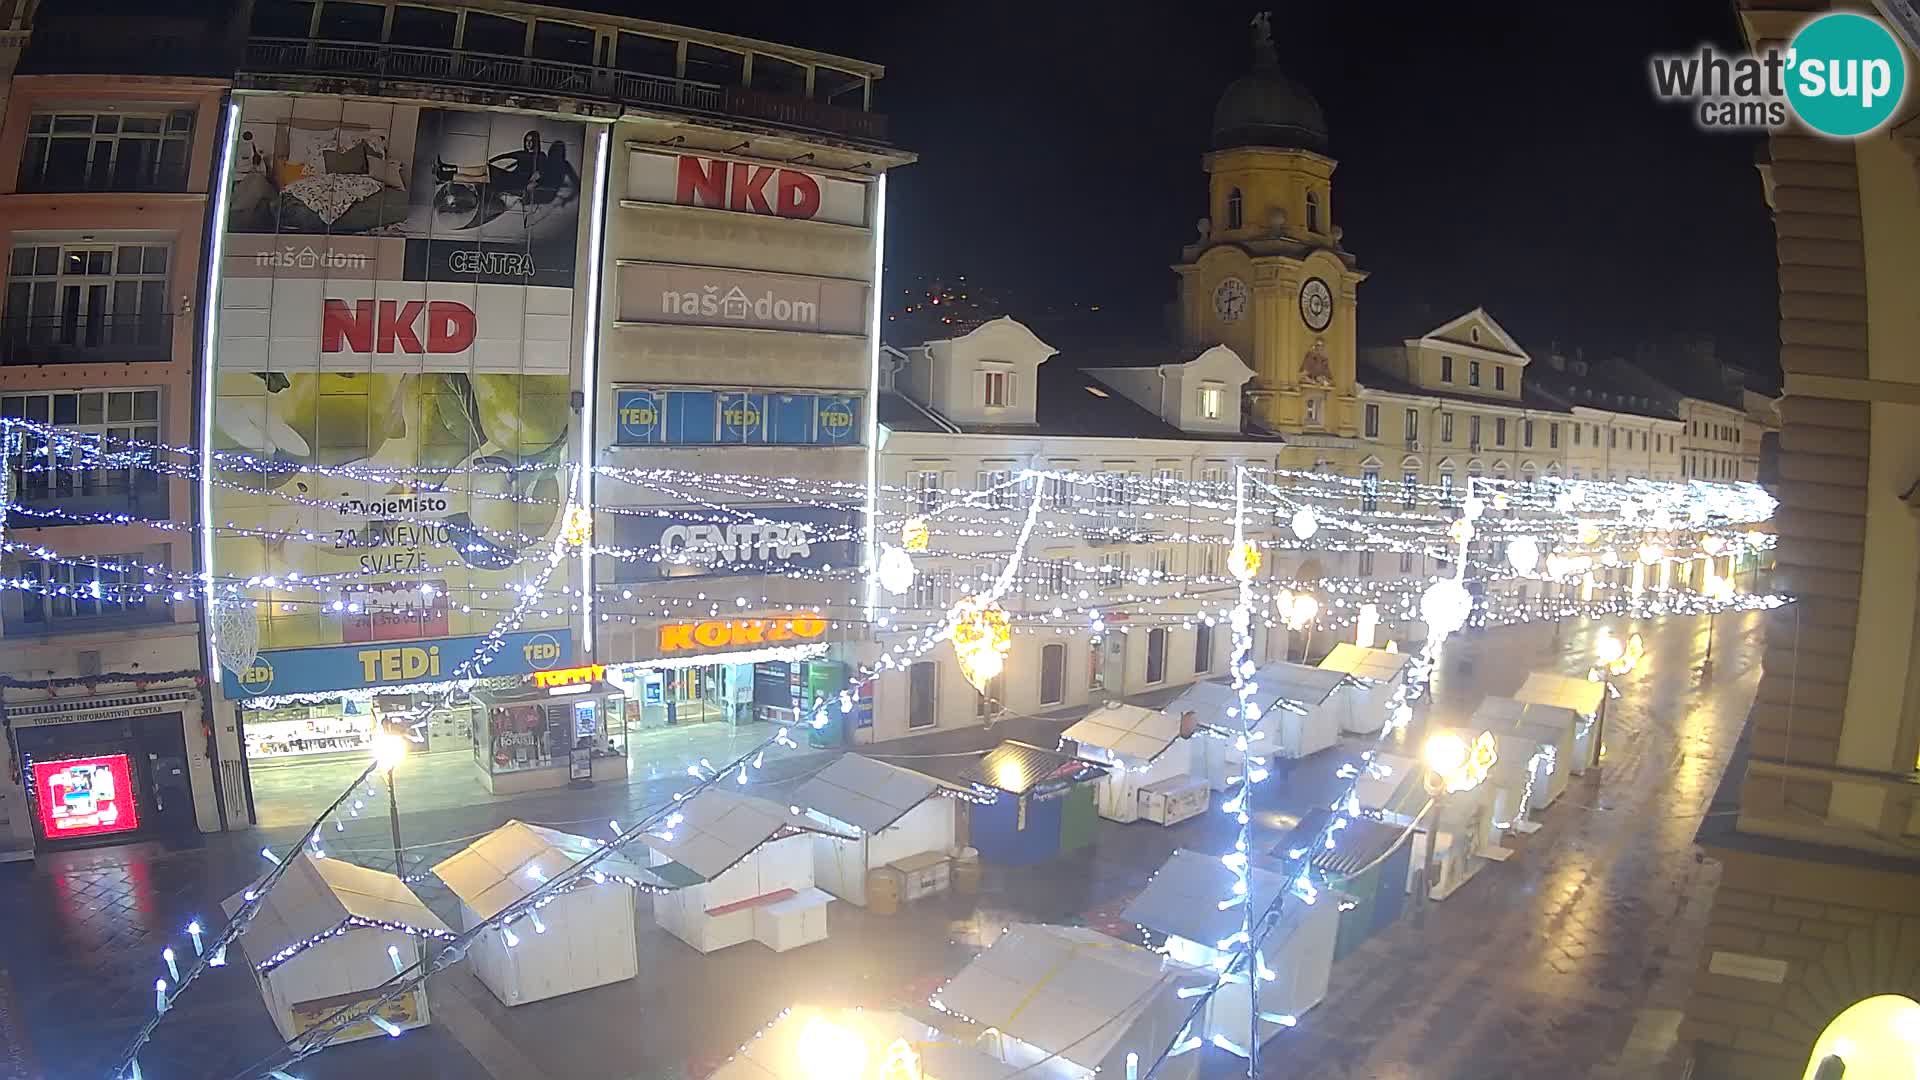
(1445,606)
(895,572)
(1587,532)
(1523,554)
(1473,507)
(1713,543)
(1651,553)
(576,529)
(914,534)
(1461,531)
(1304,524)
(1245,561)
(982,638)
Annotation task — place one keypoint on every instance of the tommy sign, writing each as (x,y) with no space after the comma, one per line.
(745,187)
(712,296)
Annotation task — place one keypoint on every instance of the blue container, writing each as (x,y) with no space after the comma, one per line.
(1017,830)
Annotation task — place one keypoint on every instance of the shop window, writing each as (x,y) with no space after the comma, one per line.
(566,43)
(107,151)
(721,67)
(350,22)
(1156,656)
(1202,649)
(494,34)
(1053,674)
(646,55)
(923,682)
(420,27)
(86,593)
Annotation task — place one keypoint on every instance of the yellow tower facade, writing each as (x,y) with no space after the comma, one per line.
(1267,275)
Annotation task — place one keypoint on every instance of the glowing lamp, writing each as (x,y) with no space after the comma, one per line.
(1454,765)
(827,1051)
(895,572)
(1718,588)
(1588,532)
(1461,531)
(1301,610)
(1304,524)
(389,749)
(1244,561)
(1500,500)
(1874,1037)
(913,534)
(1713,544)
(1445,606)
(1651,553)
(982,638)
(1523,554)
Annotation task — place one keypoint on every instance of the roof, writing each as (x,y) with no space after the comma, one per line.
(901,413)
(1283,680)
(1266,108)
(719,828)
(867,794)
(507,864)
(1127,730)
(1357,845)
(1018,768)
(1391,783)
(775,1053)
(1505,716)
(1581,694)
(1379,665)
(315,896)
(1206,700)
(1072,992)
(1183,897)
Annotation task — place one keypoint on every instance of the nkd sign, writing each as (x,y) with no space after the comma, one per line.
(746,187)
(712,296)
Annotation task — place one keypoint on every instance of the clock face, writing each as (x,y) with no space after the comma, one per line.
(1230,299)
(1316,304)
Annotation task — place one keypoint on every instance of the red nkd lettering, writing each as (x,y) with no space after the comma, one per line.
(743,187)
(799,195)
(701,182)
(389,326)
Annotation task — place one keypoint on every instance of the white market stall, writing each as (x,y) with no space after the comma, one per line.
(1536,745)
(1212,705)
(812,1043)
(1152,757)
(1070,1003)
(1299,716)
(582,938)
(1376,674)
(740,869)
(895,815)
(1470,822)
(326,935)
(1586,697)
(1182,901)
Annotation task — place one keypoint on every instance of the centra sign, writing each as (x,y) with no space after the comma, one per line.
(738,633)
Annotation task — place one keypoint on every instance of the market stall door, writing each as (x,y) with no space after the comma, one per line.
(1078,818)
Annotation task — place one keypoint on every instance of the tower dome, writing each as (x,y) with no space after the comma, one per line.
(1265,108)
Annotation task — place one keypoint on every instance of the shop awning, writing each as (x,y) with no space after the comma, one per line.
(318,896)
(1183,897)
(1018,768)
(1376,665)
(1582,695)
(719,828)
(513,860)
(1129,731)
(865,793)
(777,1053)
(1297,683)
(1075,993)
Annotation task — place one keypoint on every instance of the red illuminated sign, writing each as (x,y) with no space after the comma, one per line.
(91,796)
(389,326)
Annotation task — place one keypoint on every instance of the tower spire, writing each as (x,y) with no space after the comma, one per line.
(1263,54)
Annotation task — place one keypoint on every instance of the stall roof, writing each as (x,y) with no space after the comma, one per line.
(1072,992)
(1017,768)
(1183,897)
(719,828)
(865,793)
(775,1054)
(1208,701)
(1505,716)
(1298,683)
(1576,692)
(513,860)
(315,896)
(1378,665)
(1128,730)
(1357,845)
(1397,790)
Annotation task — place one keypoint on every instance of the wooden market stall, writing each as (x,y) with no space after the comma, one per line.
(326,936)
(1069,1003)
(1151,755)
(812,1043)
(1367,866)
(902,823)
(740,869)
(1536,746)
(1393,789)
(1042,803)
(1586,697)
(1376,676)
(1182,901)
(582,938)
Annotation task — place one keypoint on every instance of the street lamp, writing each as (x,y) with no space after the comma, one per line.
(1452,765)
(1719,590)
(389,750)
(1299,615)
(1616,658)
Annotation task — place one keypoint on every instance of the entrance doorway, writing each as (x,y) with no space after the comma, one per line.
(107,781)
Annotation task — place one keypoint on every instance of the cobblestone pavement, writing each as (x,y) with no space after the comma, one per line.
(1574,955)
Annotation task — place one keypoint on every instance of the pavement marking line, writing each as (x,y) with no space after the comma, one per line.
(479,1036)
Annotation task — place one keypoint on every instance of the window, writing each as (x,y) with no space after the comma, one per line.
(996,389)
(494,34)
(97,587)
(1473,432)
(925,485)
(114,415)
(1315,408)
(1156,655)
(1113,569)
(1613,438)
(1553,436)
(1499,376)
(1526,433)
(567,43)
(1370,489)
(1446,428)
(1409,488)
(87,296)
(1413,427)
(772,75)
(1473,373)
(1167,483)
(350,22)
(1210,402)
(1055,575)
(1313,211)
(647,55)
(1373,421)
(1207,555)
(1473,334)
(114,151)
(1213,475)
(1162,561)
(998,485)
(1053,674)
(1060,489)
(1446,369)
(707,64)
(842,88)
(1236,209)
(1202,649)
(1366,564)
(1595,431)
(1446,482)
(923,694)
(427,28)
(1499,431)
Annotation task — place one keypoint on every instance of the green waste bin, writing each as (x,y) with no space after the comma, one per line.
(1078,818)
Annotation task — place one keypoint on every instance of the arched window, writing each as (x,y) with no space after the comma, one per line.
(1236,209)
(1313,211)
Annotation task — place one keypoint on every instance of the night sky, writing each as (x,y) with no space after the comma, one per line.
(1503,154)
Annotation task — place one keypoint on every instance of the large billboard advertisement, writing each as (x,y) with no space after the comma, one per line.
(716,296)
(397,337)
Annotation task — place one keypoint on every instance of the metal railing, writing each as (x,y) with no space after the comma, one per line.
(86,339)
(158,177)
(384,61)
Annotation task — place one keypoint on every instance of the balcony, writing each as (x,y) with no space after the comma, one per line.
(520,74)
(85,339)
(86,494)
(168,177)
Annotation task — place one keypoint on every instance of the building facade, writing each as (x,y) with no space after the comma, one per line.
(106,151)
(1816,820)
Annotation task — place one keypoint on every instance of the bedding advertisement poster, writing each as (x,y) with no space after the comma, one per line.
(397,339)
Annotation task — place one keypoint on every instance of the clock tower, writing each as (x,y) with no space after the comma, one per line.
(1267,275)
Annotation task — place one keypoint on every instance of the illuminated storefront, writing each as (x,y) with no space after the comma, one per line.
(106,769)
